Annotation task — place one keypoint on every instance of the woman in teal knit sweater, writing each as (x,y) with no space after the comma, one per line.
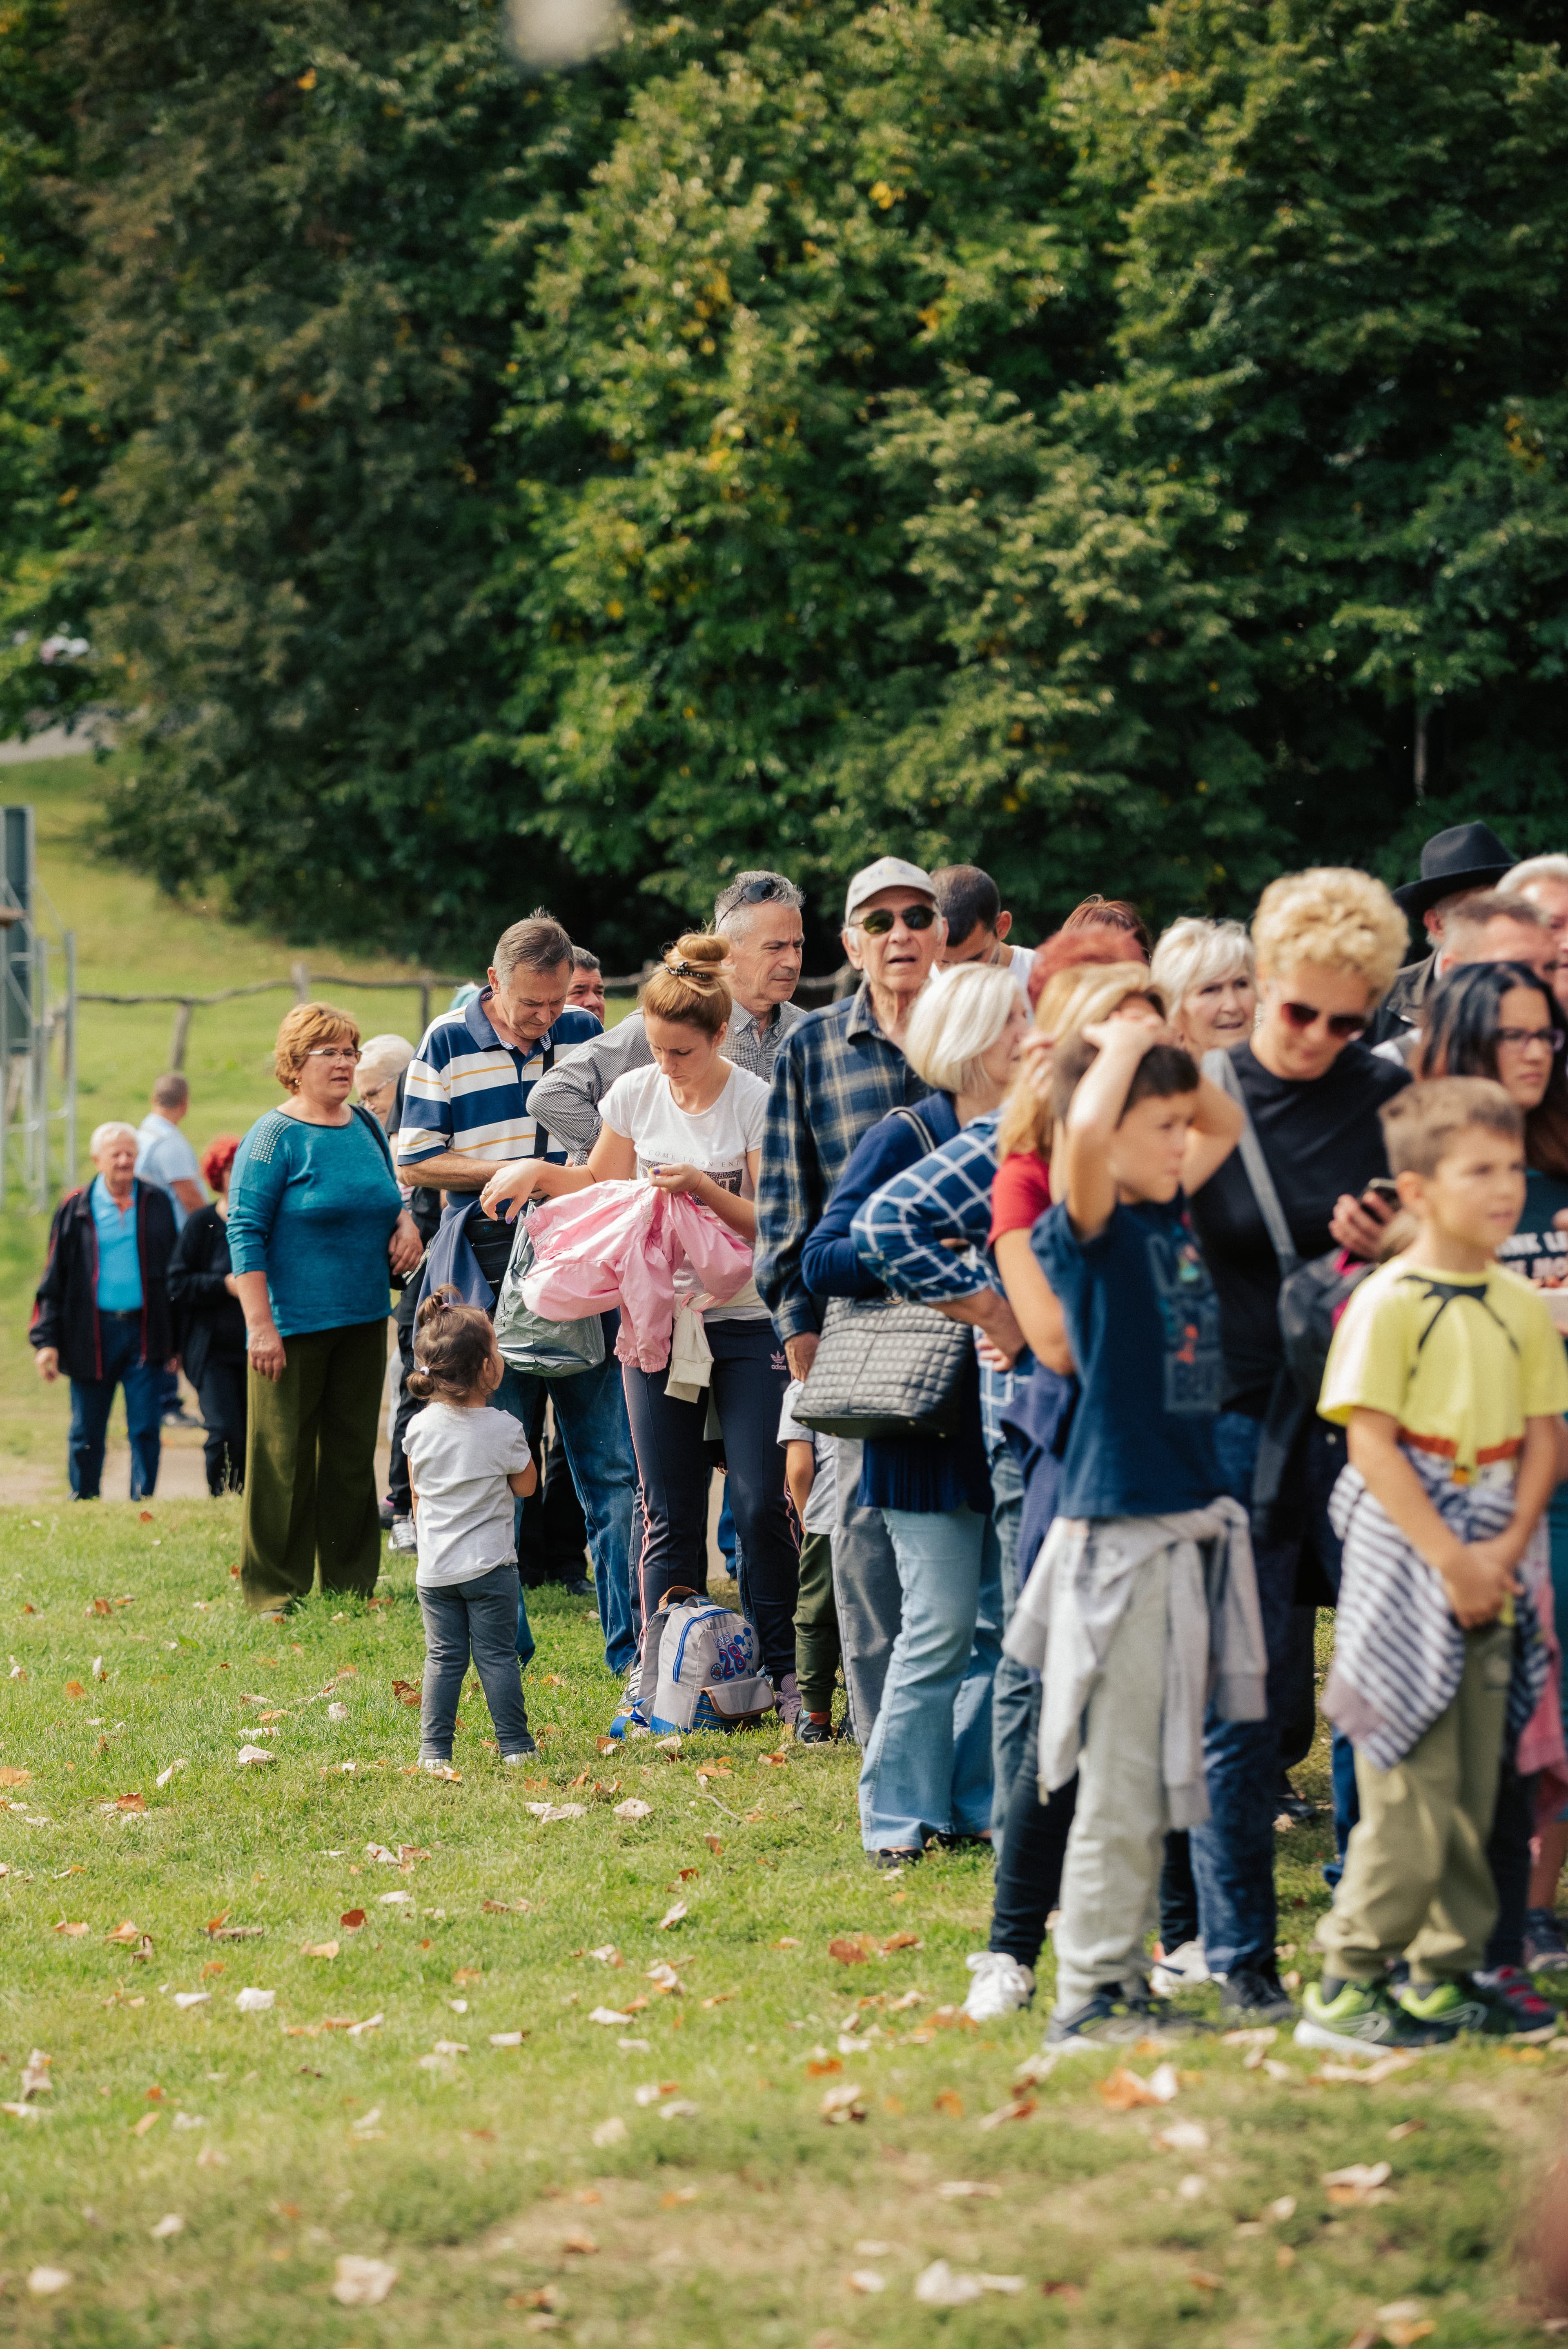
(316,1223)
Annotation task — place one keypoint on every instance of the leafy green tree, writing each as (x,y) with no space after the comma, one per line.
(711,579)
(1289,584)
(52,444)
(1123,448)
(308,230)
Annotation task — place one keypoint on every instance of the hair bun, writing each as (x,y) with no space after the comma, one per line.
(698,956)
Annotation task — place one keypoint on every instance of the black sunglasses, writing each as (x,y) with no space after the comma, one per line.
(765,891)
(880,919)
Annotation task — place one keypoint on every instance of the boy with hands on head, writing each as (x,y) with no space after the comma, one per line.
(1451,1380)
(1142,1606)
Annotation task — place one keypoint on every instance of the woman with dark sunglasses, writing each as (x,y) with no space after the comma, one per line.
(1500,1019)
(1328,945)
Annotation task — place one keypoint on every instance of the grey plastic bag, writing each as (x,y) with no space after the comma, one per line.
(544,1349)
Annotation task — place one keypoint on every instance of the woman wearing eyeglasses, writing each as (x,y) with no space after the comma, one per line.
(317,1224)
(1328,945)
(1501,1020)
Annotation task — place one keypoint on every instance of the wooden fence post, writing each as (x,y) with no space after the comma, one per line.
(300,974)
(182,1032)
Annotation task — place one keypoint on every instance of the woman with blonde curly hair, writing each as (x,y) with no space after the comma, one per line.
(1328,944)
(316,1224)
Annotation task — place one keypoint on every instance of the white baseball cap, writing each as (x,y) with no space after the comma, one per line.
(887,872)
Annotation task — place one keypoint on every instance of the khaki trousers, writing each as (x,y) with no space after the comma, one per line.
(1111,1872)
(310,1468)
(1417,1883)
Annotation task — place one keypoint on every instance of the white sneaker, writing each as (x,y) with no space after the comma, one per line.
(1184,1968)
(1001,1985)
(403,1536)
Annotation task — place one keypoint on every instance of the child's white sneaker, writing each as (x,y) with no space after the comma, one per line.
(1184,1968)
(525,1753)
(1001,1985)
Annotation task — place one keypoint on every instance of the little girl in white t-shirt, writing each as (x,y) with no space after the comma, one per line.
(466,1462)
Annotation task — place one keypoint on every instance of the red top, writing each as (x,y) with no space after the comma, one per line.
(1020,1195)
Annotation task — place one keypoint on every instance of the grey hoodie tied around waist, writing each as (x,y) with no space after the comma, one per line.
(1067,1615)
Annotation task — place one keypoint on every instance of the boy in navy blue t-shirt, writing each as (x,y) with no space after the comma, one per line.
(1143,1604)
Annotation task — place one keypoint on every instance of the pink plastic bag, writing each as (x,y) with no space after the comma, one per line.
(622,1243)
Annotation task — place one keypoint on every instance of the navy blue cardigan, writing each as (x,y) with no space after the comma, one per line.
(898,1472)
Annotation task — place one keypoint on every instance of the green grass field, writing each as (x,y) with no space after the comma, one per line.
(664,2178)
(196,2172)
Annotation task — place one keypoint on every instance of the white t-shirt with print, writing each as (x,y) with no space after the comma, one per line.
(640,1107)
(458,1462)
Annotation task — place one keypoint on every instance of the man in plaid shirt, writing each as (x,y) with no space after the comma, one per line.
(837,1075)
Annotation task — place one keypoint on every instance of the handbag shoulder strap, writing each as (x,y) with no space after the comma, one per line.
(1220,1069)
(913,1117)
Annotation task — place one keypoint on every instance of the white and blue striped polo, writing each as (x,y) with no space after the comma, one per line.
(467,1090)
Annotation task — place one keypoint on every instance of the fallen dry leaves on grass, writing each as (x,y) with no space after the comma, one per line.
(1123,2089)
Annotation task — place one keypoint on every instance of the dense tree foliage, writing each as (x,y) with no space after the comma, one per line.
(1125,448)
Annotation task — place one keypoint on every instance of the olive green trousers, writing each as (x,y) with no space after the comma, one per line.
(310,1468)
(1416,1882)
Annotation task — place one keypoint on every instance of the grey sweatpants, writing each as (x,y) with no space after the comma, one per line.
(1112,1873)
(867,1594)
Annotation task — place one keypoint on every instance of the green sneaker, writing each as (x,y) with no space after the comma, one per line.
(1351,2017)
(1468,2005)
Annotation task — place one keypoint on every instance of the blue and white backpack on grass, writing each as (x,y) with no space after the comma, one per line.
(698,1669)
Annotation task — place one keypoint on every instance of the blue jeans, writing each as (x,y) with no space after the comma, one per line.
(91,1400)
(590,1413)
(927,1765)
(1015,1693)
(476,1618)
(1234,1853)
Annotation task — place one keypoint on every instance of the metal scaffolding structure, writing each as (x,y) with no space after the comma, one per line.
(37,1028)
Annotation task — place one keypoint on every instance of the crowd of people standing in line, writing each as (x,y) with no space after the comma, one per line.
(1113,1162)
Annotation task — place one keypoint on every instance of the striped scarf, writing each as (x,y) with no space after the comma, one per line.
(1400,1654)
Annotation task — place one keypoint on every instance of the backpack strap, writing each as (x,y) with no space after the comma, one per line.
(1220,1069)
(374,1125)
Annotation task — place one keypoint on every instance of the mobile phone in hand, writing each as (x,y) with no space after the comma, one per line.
(1384,1190)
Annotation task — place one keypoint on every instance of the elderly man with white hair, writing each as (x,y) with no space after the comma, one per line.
(102,1312)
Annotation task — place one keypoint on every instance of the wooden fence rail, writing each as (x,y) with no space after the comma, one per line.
(423,983)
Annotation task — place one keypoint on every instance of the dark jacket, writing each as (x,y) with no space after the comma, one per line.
(898,1472)
(65,1314)
(209,1319)
(1401,1007)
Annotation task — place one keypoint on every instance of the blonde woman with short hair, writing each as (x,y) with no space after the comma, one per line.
(1328,944)
(927,1769)
(1208,973)
(316,1225)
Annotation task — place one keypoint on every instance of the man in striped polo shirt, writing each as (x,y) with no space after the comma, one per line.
(465,1110)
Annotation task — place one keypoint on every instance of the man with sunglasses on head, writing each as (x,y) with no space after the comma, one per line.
(1328,945)
(839,1073)
(760,915)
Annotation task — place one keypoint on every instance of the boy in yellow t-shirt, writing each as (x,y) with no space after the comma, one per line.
(1451,1380)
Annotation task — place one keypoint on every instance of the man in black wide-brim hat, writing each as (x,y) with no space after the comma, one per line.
(1455,863)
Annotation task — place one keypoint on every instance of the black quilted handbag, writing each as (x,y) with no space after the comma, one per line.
(886,1367)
